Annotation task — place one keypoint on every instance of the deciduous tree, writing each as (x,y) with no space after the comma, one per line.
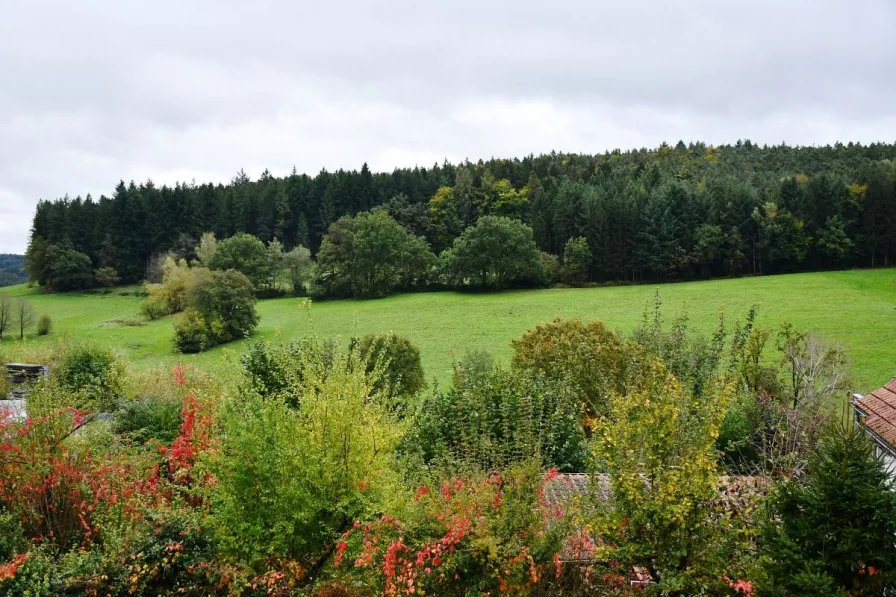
(495,253)
(23,314)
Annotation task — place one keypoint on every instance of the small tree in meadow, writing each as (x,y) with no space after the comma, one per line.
(243,253)
(106,277)
(23,313)
(494,254)
(299,268)
(6,314)
(222,309)
(206,248)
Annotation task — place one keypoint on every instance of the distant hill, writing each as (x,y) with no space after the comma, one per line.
(12,269)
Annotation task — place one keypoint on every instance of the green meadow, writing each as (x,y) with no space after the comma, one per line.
(856,308)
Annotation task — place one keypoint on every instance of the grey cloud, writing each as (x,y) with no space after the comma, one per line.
(94,91)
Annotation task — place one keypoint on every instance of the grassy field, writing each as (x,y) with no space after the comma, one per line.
(855,308)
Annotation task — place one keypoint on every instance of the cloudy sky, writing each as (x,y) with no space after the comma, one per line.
(96,91)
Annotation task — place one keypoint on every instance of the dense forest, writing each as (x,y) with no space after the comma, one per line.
(674,212)
(12,269)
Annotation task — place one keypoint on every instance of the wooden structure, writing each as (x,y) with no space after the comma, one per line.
(21,376)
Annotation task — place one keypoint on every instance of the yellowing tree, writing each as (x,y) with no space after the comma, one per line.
(659,448)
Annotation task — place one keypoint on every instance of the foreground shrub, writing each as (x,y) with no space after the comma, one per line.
(93,376)
(402,372)
(478,535)
(149,418)
(695,360)
(276,370)
(659,449)
(290,480)
(836,533)
(587,356)
(60,491)
(496,418)
(44,325)
(171,552)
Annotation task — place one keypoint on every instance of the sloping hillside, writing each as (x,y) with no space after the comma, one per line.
(12,269)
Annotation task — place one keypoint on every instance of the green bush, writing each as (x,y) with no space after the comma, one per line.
(576,261)
(497,418)
(34,577)
(279,370)
(290,481)
(587,356)
(11,542)
(154,307)
(227,304)
(552,268)
(243,253)
(106,277)
(94,376)
(169,554)
(402,372)
(190,332)
(738,436)
(475,367)
(44,325)
(149,418)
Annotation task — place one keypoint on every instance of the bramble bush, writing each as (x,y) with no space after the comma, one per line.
(149,418)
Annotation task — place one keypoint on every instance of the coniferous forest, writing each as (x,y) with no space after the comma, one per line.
(673,212)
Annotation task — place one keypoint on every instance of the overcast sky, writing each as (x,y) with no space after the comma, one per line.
(96,91)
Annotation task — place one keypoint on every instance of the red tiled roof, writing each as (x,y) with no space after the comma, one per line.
(881,408)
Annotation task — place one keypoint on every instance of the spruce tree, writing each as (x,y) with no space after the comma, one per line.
(835,533)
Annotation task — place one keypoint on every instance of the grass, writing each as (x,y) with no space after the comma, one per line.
(855,308)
